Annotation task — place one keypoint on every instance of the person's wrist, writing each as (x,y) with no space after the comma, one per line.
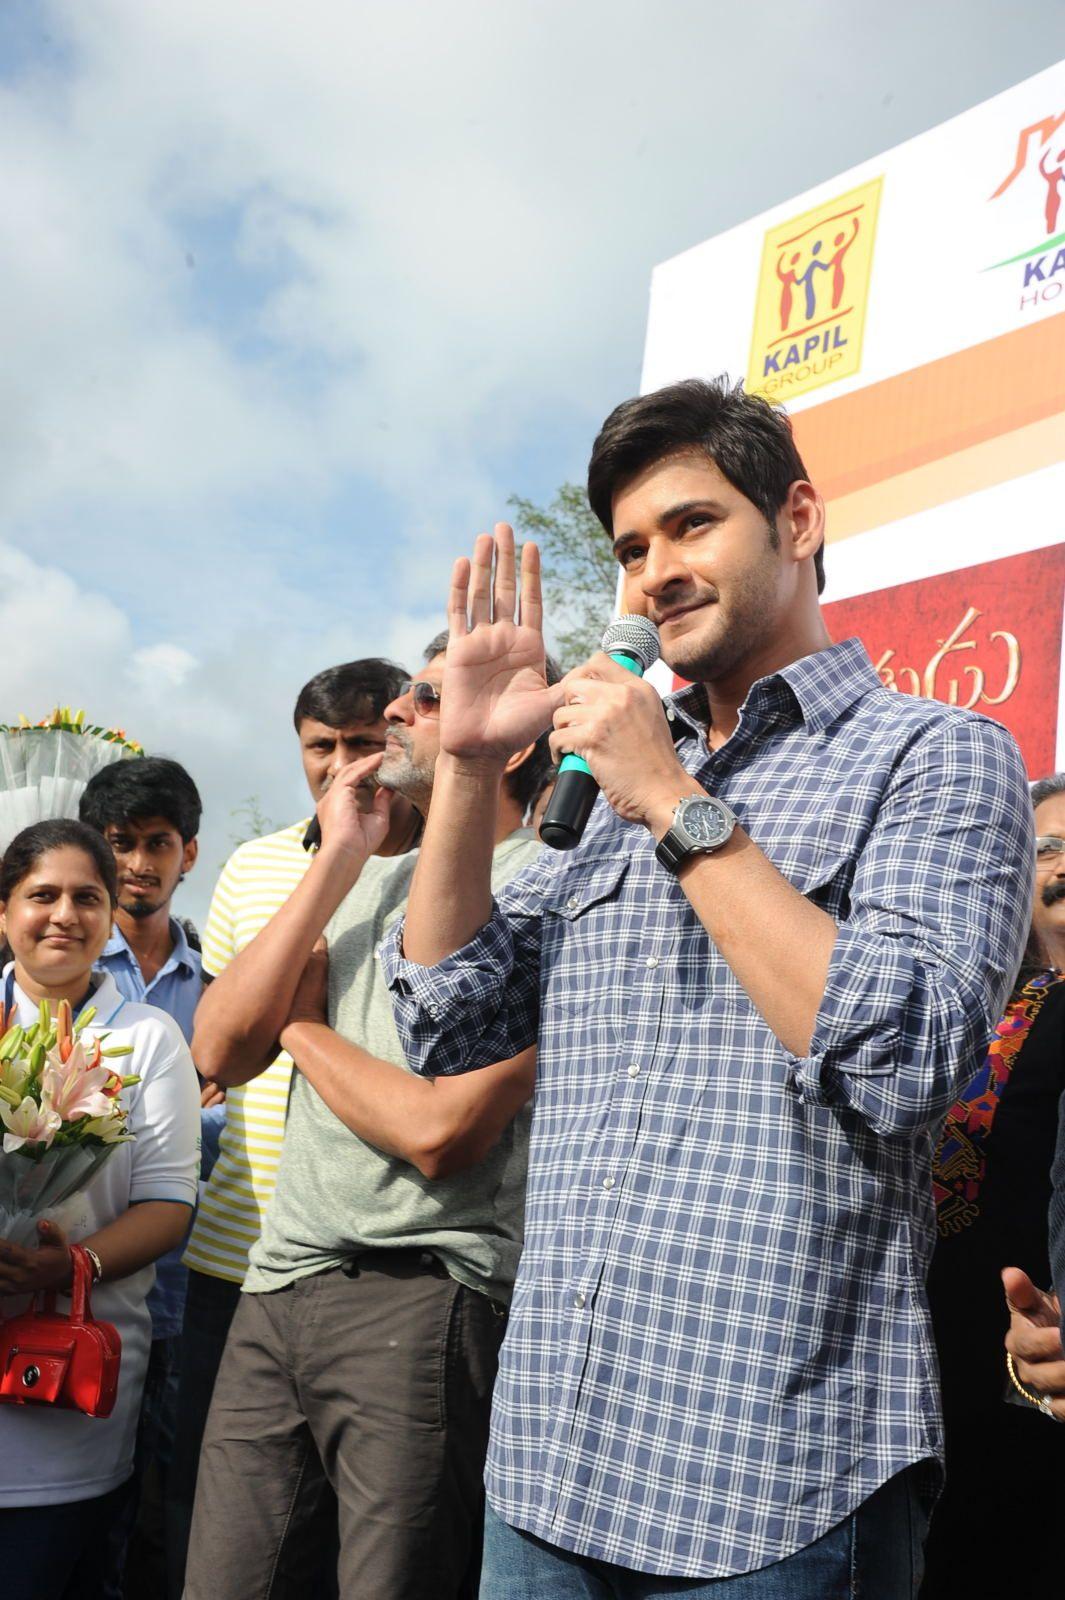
(658,815)
(342,858)
(473,769)
(296,1028)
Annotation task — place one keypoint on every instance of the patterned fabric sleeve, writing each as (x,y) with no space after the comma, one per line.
(481,1004)
(938,919)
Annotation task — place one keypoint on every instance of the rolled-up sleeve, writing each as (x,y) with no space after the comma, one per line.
(939,911)
(482,1003)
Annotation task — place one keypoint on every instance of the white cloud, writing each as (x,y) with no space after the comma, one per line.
(295,295)
(160,667)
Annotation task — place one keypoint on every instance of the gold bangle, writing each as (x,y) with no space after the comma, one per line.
(1041,1404)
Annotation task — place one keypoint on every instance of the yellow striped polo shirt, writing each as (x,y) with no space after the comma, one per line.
(255,882)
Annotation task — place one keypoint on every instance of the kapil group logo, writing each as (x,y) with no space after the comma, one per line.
(810,313)
(1036,182)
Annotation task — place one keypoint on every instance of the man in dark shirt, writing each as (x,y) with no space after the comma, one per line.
(991,1181)
(1035,1337)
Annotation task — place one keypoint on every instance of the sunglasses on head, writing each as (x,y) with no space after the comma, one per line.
(426,698)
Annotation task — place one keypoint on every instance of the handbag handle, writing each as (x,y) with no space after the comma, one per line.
(81,1278)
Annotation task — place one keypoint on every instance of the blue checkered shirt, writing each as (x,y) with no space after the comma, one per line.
(719,1343)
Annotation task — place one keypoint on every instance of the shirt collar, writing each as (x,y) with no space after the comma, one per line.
(180,956)
(821,687)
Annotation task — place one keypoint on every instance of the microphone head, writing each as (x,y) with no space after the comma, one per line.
(634,635)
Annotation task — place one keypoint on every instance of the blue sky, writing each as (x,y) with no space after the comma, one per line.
(296,296)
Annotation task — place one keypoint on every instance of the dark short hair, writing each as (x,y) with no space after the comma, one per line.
(58,833)
(748,440)
(1046,788)
(153,786)
(356,691)
(525,782)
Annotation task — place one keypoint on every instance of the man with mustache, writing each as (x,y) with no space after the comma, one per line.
(338,718)
(992,1187)
(363,1353)
(755,988)
(1036,1335)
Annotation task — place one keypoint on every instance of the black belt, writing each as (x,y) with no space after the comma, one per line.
(396,1263)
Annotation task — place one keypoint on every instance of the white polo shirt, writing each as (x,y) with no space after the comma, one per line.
(49,1456)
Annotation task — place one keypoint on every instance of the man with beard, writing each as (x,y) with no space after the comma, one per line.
(339,718)
(755,987)
(363,1353)
(1035,1340)
(149,811)
(992,1187)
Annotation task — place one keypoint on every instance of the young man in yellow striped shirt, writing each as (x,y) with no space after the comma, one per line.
(339,718)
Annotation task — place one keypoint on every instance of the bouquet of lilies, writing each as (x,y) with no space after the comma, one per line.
(62,1119)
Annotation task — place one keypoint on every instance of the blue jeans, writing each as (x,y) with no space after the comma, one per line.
(875,1553)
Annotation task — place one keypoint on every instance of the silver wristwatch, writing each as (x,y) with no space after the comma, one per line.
(701,825)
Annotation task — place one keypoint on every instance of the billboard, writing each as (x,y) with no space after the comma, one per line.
(908,313)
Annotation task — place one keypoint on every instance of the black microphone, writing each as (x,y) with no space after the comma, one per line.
(312,839)
(633,643)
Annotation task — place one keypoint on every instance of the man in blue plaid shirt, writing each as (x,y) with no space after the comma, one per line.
(791,924)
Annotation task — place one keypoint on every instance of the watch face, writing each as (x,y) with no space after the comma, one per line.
(706,823)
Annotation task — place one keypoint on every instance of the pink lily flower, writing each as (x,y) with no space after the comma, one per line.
(73,1088)
(29,1123)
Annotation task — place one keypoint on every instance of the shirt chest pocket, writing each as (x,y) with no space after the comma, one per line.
(585,931)
(823,877)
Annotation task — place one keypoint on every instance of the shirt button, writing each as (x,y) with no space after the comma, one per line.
(578,1301)
(608,1183)
(572,903)
(652,961)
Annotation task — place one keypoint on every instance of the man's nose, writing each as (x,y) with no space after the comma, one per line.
(662,567)
(338,760)
(401,709)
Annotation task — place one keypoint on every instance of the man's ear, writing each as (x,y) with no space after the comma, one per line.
(518,759)
(189,855)
(801,522)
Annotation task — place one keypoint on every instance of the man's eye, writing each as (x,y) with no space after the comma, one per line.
(630,554)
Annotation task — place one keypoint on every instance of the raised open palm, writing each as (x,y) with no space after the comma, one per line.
(495,699)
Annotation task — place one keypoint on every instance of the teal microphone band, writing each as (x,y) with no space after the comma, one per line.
(578,763)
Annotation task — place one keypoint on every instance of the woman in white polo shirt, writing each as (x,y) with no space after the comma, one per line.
(63,1474)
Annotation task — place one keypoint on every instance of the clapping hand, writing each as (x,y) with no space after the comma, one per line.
(1034,1339)
(495,698)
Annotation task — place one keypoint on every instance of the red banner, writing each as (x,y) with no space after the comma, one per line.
(987,637)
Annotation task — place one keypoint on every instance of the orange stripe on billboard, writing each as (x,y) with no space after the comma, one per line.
(921,416)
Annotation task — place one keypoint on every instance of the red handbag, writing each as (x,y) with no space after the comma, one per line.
(47,1359)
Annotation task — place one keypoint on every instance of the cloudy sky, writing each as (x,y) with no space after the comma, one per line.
(294,296)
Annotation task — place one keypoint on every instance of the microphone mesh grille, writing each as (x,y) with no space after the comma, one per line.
(636,635)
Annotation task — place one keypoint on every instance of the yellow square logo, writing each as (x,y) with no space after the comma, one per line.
(812,290)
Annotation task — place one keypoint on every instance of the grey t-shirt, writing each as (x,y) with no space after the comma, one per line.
(336,1195)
